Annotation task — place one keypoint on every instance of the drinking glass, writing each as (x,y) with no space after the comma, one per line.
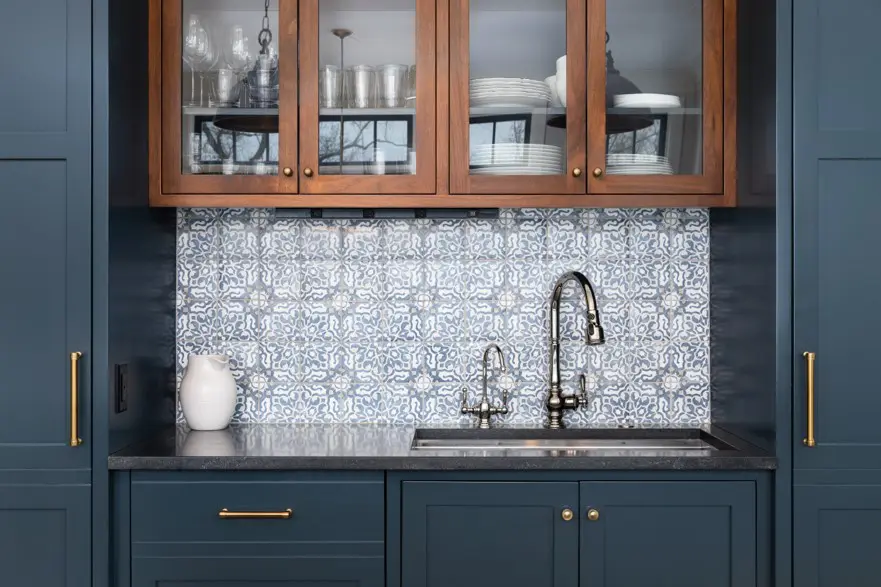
(411,87)
(361,86)
(393,85)
(330,87)
(195,49)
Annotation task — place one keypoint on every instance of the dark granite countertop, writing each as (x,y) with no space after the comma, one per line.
(378,447)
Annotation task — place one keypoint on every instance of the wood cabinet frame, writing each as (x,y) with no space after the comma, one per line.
(443,124)
(461,180)
(424,130)
(173,180)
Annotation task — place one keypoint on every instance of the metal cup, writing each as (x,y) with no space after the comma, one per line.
(361,86)
(393,82)
(330,89)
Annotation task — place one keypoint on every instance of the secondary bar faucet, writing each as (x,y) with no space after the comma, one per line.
(557,402)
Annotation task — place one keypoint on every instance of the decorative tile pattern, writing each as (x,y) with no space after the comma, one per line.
(385,321)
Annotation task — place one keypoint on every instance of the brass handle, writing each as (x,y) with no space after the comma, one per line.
(810,441)
(75,439)
(225,514)
(577,172)
(598,172)
(593,515)
(308,172)
(567,515)
(288,172)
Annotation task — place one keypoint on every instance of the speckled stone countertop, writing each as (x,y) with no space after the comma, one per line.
(377,447)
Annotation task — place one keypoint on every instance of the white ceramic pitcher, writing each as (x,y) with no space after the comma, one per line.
(208,392)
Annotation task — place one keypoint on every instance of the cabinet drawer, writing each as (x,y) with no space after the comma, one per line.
(185,507)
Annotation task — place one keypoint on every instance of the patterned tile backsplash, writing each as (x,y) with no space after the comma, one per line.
(385,321)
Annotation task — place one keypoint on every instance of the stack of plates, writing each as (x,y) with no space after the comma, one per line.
(509,92)
(516,159)
(646,101)
(638,165)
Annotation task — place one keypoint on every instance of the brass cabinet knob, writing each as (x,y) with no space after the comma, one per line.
(593,515)
(308,172)
(577,172)
(567,515)
(598,172)
(288,172)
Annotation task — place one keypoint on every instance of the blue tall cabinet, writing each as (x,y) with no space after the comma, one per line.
(836,285)
(45,298)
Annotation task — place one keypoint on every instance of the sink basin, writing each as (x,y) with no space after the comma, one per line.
(618,440)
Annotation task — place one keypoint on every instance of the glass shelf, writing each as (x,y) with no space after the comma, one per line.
(207,111)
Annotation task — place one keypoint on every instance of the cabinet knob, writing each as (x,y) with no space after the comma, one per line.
(288,172)
(577,172)
(593,515)
(598,172)
(308,172)
(567,515)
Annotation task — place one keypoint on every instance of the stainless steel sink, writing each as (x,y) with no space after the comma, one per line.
(619,440)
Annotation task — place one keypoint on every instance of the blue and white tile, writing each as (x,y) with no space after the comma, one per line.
(484,241)
(446,321)
(527,240)
(321,240)
(319,280)
(321,362)
(484,280)
(445,241)
(282,239)
(403,321)
(403,240)
(239,275)
(363,241)
(364,281)
(567,239)
(283,281)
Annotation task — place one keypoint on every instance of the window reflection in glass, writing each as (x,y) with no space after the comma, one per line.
(370,145)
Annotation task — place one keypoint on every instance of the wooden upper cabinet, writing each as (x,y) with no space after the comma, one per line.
(510,130)
(367,86)
(662,102)
(228,103)
(443,103)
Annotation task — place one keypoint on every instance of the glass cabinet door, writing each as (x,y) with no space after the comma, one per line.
(657,128)
(230,96)
(518,95)
(367,82)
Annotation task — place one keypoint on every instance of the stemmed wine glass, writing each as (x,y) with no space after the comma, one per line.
(195,50)
(212,56)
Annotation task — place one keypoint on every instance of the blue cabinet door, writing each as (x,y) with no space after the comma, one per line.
(835,536)
(837,276)
(480,534)
(45,230)
(45,535)
(668,534)
(234,570)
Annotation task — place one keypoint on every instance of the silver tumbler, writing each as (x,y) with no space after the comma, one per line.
(361,86)
(393,82)
(330,89)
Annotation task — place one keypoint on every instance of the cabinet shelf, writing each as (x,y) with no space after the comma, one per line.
(208,111)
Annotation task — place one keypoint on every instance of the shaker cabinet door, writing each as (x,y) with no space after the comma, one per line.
(668,534)
(45,232)
(837,171)
(367,80)
(517,98)
(476,534)
(228,123)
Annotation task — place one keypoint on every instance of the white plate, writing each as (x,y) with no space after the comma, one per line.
(626,167)
(638,157)
(482,159)
(646,101)
(639,172)
(518,146)
(505,80)
(516,171)
(518,102)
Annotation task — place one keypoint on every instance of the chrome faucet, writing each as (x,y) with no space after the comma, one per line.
(484,410)
(557,402)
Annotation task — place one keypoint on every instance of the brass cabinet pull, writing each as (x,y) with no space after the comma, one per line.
(593,515)
(567,515)
(810,358)
(308,172)
(577,172)
(288,172)
(598,172)
(75,439)
(225,514)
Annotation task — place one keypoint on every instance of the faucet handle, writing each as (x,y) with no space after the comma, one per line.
(465,408)
(583,399)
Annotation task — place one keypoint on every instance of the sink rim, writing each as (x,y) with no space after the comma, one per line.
(568,439)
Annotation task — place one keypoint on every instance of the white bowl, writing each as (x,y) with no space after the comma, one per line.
(555,98)
(561,89)
(561,65)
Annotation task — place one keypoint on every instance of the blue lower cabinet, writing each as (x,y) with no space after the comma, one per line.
(45,531)
(485,534)
(835,535)
(231,571)
(669,534)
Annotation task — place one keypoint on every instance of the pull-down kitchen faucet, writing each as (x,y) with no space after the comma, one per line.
(556,401)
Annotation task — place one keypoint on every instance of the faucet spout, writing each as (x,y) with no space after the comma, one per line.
(594,335)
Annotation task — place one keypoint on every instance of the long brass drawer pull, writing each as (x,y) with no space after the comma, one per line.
(225,514)
(75,439)
(810,441)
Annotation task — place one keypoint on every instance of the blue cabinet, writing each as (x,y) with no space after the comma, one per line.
(477,534)
(668,534)
(45,301)
(837,277)
(835,535)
